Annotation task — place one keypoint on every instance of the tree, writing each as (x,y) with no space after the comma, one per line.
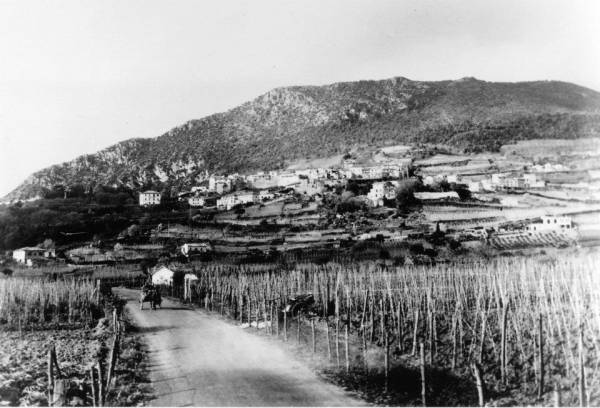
(133,230)
(7,272)
(405,194)
(48,244)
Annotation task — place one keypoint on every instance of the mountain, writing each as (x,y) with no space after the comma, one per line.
(316,121)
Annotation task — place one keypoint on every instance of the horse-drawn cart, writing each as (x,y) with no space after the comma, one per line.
(152,295)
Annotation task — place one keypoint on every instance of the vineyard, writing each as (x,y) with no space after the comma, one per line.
(529,326)
(41,301)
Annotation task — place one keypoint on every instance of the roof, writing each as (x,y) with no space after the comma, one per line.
(31,249)
(162,268)
(150,192)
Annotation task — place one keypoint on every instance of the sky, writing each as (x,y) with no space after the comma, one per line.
(78,76)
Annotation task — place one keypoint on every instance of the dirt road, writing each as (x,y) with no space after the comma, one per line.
(197,359)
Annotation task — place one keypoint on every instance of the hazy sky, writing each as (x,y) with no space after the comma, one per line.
(78,76)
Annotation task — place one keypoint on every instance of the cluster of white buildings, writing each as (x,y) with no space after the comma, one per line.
(305,181)
(549,168)
(228,201)
(494,182)
(376,172)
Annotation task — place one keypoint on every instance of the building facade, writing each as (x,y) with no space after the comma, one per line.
(551,223)
(149,198)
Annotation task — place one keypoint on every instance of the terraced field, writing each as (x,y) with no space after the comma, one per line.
(524,240)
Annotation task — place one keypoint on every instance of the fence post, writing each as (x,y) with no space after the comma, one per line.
(271,317)
(94,388)
(431,337)
(328,340)
(541,356)
(60,393)
(314,340)
(415,332)
(503,343)
(423,377)
(582,394)
(101,390)
(479,383)
(285,325)
(55,360)
(114,353)
(277,320)
(387,359)
(347,351)
(50,378)
(337,342)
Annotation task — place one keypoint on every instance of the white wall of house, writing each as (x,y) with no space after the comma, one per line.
(21,255)
(551,223)
(197,201)
(163,276)
(149,198)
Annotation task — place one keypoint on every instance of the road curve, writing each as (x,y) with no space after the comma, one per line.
(199,360)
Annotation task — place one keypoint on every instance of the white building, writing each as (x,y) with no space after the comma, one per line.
(475,186)
(219,184)
(149,197)
(310,186)
(452,178)
(265,195)
(262,180)
(287,179)
(531,181)
(195,247)
(162,276)
(22,255)
(428,180)
(381,190)
(196,201)
(313,174)
(229,201)
(551,223)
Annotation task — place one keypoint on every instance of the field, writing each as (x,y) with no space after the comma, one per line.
(41,301)
(553,147)
(67,316)
(525,240)
(529,325)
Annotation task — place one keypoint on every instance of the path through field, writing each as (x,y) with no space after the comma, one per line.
(197,359)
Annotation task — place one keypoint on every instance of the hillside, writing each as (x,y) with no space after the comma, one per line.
(314,121)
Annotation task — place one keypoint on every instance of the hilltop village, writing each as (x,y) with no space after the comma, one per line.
(398,204)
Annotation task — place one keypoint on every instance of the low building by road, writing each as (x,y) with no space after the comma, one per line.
(163,276)
(22,255)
